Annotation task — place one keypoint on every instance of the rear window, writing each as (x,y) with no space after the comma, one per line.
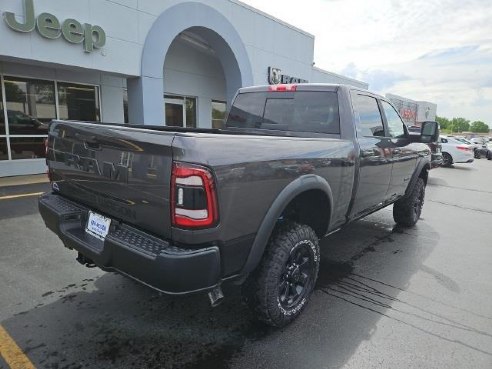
(301,111)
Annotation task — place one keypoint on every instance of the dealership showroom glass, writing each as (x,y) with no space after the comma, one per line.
(175,63)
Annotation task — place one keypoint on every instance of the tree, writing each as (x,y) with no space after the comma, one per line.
(479,126)
(460,124)
(444,123)
(14,93)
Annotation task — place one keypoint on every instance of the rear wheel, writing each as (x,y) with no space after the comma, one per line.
(406,211)
(447,160)
(280,287)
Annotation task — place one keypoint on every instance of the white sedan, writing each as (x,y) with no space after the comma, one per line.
(455,151)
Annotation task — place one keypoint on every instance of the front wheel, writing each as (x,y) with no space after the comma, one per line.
(280,287)
(407,210)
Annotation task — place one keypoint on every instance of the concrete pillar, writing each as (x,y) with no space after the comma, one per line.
(204,112)
(112,104)
(146,101)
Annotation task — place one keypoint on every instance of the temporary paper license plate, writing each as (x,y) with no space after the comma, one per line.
(97,225)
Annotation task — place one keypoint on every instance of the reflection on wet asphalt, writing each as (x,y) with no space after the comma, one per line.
(122,324)
(117,323)
(385,297)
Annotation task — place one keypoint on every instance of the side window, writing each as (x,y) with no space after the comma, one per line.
(369,122)
(247,110)
(395,124)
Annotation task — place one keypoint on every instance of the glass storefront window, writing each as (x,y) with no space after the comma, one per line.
(2,116)
(78,102)
(190,103)
(27,147)
(125,105)
(218,113)
(30,105)
(180,111)
(174,115)
(3,149)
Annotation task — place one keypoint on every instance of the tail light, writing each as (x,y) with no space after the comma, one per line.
(463,148)
(193,197)
(282,88)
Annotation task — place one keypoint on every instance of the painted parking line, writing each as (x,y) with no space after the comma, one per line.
(11,353)
(10,197)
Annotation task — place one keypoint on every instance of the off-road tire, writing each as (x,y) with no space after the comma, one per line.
(262,291)
(407,210)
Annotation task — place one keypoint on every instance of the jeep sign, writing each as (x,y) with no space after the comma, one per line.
(48,26)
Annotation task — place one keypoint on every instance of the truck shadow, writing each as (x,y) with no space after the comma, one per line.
(112,322)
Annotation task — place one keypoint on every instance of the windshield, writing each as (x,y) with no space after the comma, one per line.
(303,111)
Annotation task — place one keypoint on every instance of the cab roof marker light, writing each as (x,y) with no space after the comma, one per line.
(282,88)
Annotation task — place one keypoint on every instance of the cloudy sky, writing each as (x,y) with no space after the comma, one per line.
(434,50)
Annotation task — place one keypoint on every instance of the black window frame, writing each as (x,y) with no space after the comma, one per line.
(385,119)
(354,95)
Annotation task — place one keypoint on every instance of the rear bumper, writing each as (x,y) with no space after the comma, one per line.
(464,158)
(129,251)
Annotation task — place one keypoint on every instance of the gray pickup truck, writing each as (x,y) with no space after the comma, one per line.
(186,210)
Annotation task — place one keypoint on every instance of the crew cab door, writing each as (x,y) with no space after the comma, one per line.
(375,159)
(403,157)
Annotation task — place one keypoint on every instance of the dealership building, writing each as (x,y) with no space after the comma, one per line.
(169,62)
(413,112)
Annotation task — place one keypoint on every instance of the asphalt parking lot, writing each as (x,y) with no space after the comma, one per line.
(386,297)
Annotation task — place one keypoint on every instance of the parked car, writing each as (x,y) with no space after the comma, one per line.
(478,150)
(190,227)
(455,151)
(481,148)
(479,140)
(435,146)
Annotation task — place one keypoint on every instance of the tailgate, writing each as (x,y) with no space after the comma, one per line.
(117,171)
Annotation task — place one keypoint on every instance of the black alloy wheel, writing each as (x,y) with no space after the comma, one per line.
(297,277)
(280,287)
(418,202)
(407,210)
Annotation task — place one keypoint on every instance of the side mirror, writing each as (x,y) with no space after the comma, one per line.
(429,132)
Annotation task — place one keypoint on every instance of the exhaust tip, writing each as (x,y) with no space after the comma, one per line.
(216,296)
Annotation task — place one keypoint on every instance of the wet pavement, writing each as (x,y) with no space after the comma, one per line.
(385,298)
